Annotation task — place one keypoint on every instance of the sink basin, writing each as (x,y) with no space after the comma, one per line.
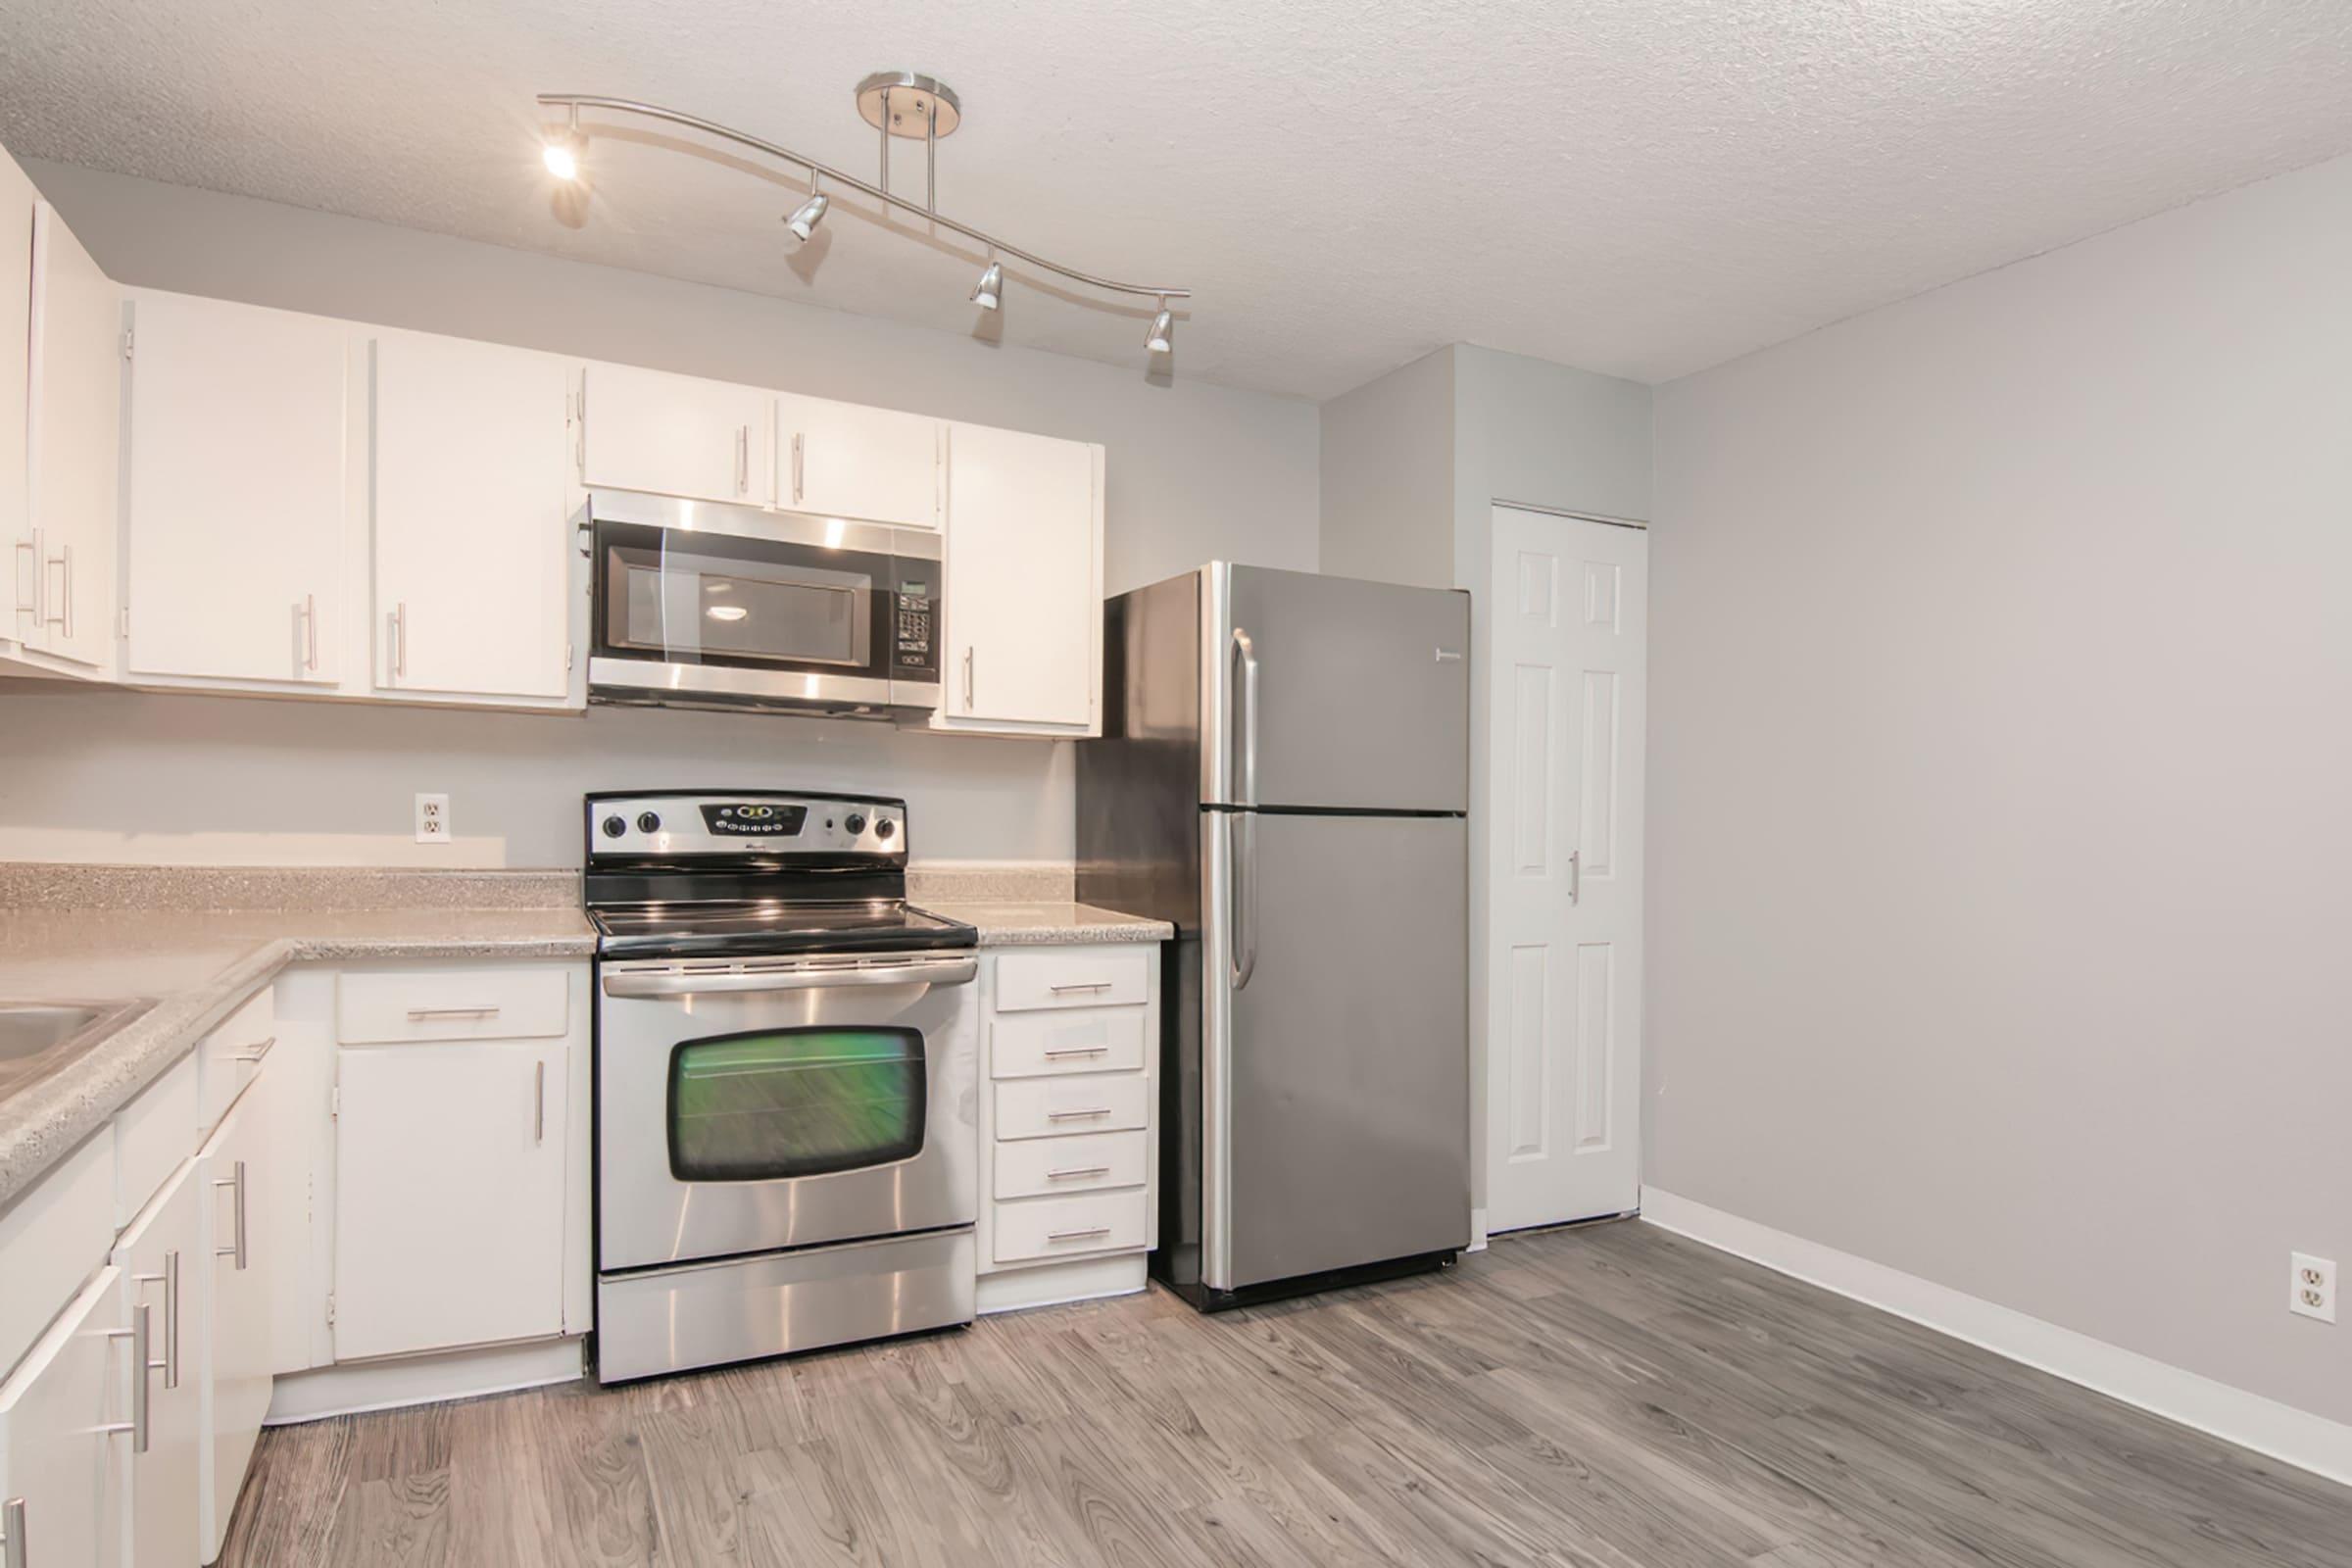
(37,1038)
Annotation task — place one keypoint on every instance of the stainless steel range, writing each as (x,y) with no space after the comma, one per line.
(785,1048)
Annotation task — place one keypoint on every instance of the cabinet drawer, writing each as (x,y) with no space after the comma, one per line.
(153,1134)
(1029,1045)
(1072,977)
(1036,1167)
(50,1239)
(1050,1108)
(230,1058)
(477,1002)
(1056,1227)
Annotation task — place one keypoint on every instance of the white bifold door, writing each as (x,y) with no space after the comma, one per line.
(1566,661)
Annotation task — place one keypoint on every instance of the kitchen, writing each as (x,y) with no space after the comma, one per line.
(316,753)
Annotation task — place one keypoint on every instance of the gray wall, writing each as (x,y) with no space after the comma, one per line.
(2001,724)
(1388,476)
(1195,472)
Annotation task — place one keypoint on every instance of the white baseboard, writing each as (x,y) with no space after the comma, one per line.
(2293,1437)
(1478,1231)
(388,1385)
(1055,1284)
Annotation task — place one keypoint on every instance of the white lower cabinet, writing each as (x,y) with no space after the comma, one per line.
(65,1439)
(241,1249)
(450,1167)
(166,1273)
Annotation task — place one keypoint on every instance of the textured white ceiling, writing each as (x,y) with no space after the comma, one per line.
(1637,186)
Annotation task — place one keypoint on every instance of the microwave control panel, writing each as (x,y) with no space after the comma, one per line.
(914,645)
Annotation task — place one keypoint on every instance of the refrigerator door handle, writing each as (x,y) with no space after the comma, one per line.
(1244,898)
(1246,655)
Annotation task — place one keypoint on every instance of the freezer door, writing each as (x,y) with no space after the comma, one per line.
(1336,1078)
(1361,692)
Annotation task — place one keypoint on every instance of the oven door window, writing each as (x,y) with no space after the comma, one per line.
(774,1104)
(679,601)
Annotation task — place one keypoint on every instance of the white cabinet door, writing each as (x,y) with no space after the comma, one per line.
(71,1475)
(448,1195)
(76,399)
(235,1170)
(675,435)
(18,199)
(236,506)
(471,559)
(844,460)
(165,1270)
(1024,613)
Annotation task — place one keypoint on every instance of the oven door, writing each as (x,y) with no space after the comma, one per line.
(743,1107)
(736,603)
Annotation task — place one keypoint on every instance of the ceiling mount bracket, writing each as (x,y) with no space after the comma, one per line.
(909,104)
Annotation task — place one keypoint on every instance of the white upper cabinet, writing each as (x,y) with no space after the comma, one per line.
(472,555)
(844,460)
(18,199)
(676,435)
(75,399)
(237,505)
(1024,583)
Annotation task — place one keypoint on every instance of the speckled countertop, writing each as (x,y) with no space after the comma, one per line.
(197,967)
(1048,924)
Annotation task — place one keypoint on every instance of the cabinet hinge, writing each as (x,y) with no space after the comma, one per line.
(125,620)
(567,650)
(335,1103)
(330,1310)
(126,341)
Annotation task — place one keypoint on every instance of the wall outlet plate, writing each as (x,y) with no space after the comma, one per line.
(432,820)
(2313,1288)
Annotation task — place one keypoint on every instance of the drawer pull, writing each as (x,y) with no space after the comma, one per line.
(1078,1236)
(421,1014)
(1077,1115)
(260,1048)
(1060,1051)
(1085,985)
(1071,1171)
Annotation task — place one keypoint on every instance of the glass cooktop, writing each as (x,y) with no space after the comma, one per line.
(758,927)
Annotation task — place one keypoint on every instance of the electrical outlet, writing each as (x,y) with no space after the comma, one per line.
(432,820)
(2313,1288)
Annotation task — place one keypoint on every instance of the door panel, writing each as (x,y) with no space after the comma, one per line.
(165,1270)
(844,460)
(1564,869)
(1363,691)
(675,435)
(1346,1066)
(71,1475)
(77,413)
(1023,606)
(472,553)
(17,200)
(236,1170)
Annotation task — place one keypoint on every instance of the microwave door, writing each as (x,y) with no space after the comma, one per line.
(680,603)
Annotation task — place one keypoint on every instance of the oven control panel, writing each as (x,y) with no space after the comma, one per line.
(753,823)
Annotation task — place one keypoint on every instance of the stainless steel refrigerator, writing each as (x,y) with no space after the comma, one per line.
(1284,774)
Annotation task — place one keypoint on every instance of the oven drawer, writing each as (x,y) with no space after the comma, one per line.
(1031,1045)
(1038,1167)
(1050,1108)
(1056,1227)
(1073,977)
(475,1002)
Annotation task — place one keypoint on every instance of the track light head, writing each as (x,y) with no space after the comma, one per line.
(806,217)
(987,292)
(566,154)
(1163,332)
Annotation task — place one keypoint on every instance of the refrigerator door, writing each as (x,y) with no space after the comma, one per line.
(1336,1075)
(1362,692)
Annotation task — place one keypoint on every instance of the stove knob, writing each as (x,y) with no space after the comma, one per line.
(855,823)
(615,827)
(885,828)
(648,822)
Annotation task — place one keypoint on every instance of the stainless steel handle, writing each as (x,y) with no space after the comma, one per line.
(743,458)
(682,982)
(421,1014)
(1449,655)
(168,1279)
(1058,1052)
(1078,1115)
(1081,985)
(1068,1171)
(63,620)
(260,1048)
(400,639)
(140,1334)
(968,654)
(796,464)
(1576,875)
(1245,721)
(309,631)
(1078,1235)
(27,547)
(12,1532)
(236,1246)
(539,1103)
(1243,895)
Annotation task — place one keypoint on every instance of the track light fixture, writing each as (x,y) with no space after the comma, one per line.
(811,212)
(895,102)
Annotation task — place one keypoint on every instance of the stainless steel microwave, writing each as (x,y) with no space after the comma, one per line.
(701,605)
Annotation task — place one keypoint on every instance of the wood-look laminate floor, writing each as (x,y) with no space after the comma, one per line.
(1609,1396)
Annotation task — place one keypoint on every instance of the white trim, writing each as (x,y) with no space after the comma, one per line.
(1478,1231)
(1059,1284)
(390,1384)
(2290,1436)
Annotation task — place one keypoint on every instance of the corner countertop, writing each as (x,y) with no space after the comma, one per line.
(196,968)
(1004,924)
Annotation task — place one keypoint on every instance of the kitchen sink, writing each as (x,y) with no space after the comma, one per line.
(37,1038)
